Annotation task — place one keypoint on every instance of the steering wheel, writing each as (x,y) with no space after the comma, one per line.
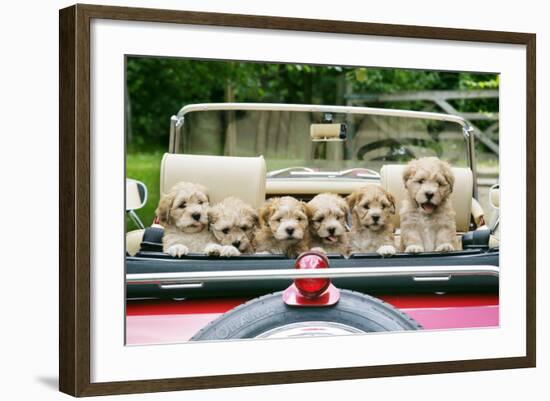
(397,150)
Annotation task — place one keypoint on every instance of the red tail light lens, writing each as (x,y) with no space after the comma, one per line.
(312,287)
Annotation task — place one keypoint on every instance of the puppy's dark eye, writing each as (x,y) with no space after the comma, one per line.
(279,220)
(299,218)
(225,230)
(182,206)
(320,219)
(420,181)
(384,206)
(244,228)
(201,202)
(366,206)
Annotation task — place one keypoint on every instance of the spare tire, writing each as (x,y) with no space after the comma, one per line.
(269,317)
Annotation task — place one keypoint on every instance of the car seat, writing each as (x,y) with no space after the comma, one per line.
(223,176)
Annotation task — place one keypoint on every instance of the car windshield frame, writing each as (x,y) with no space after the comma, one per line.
(177,121)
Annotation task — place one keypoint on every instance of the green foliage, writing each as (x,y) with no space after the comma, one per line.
(479,81)
(158,87)
(379,80)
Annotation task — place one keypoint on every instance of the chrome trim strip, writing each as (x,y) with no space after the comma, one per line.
(180,286)
(322,109)
(430,272)
(135,218)
(431,278)
(175,127)
(470,149)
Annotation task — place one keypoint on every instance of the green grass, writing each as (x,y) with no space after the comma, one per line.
(145,167)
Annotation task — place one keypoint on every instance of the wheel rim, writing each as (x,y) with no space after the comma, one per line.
(310,329)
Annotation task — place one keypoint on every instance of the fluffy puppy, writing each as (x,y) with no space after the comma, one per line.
(233,223)
(328,223)
(372,209)
(427,216)
(283,227)
(183,213)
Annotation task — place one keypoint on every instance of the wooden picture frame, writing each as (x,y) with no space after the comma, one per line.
(75,207)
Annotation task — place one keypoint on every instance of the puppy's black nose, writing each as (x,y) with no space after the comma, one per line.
(236,244)
(375,218)
(196,216)
(290,230)
(331,230)
(429,195)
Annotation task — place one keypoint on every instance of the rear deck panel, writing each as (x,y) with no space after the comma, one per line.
(173,321)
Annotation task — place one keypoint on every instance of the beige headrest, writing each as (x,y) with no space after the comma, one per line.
(392,181)
(223,176)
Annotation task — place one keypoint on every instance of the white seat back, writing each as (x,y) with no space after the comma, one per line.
(223,176)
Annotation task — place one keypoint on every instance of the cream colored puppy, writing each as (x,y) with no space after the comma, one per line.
(427,216)
(328,223)
(283,227)
(233,223)
(183,213)
(372,231)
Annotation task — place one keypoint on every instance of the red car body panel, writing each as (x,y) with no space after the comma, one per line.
(172,321)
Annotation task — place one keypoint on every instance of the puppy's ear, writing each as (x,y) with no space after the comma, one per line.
(265,212)
(391,199)
(212,215)
(255,218)
(448,174)
(409,171)
(352,199)
(163,209)
(308,210)
(343,206)
(204,190)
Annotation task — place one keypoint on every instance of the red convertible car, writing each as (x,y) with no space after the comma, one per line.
(258,151)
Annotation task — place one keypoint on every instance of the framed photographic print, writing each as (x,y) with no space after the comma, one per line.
(251,200)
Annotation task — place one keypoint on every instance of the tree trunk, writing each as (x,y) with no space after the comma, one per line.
(230,148)
(128,126)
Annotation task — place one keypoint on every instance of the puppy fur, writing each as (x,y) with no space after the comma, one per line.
(427,215)
(328,226)
(283,227)
(233,223)
(183,213)
(372,231)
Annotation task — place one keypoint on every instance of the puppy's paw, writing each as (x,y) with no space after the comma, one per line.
(213,249)
(178,250)
(414,249)
(386,250)
(318,249)
(229,250)
(446,247)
